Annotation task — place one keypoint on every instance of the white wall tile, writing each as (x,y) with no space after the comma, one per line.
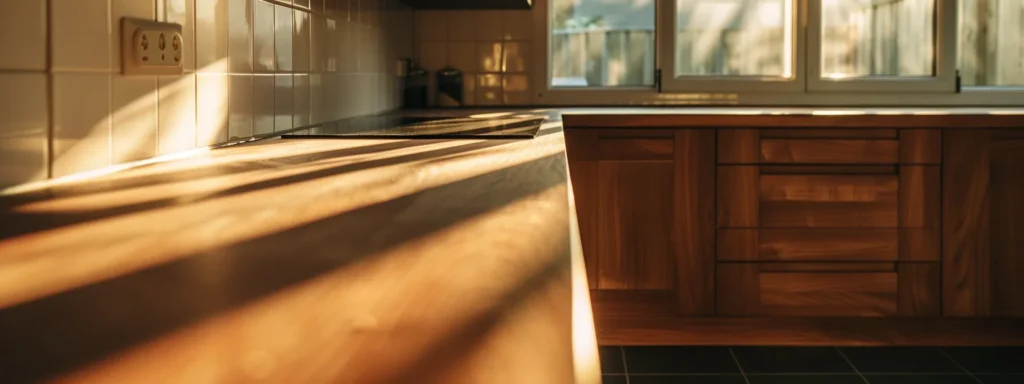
(489,90)
(317,108)
(24,122)
(516,90)
(488,26)
(283,20)
(489,56)
(317,43)
(462,26)
(240,110)
(462,56)
(317,5)
(264,58)
(81,122)
(211,35)
(468,89)
(516,57)
(433,55)
(134,112)
(517,25)
(240,36)
(183,12)
(263,104)
(212,92)
(176,129)
(302,3)
(432,26)
(81,35)
(300,100)
(23,35)
(284,100)
(300,41)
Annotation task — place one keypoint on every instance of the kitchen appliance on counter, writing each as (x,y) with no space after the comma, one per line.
(449,87)
(405,127)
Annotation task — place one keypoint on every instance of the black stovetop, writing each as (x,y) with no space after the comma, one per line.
(512,127)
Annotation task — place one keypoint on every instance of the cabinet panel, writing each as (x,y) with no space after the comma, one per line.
(919,289)
(828,201)
(635,225)
(737,188)
(806,151)
(747,289)
(1007,227)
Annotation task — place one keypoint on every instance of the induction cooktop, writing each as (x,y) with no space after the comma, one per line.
(510,127)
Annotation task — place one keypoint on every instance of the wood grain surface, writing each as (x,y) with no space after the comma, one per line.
(828,201)
(308,261)
(635,225)
(830,151)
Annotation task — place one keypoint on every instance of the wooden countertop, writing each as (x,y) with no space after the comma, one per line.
(303,261)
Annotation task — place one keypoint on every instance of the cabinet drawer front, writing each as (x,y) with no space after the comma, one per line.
(816,151)
(747,289)
(808,245)
(828,294)
(794,201)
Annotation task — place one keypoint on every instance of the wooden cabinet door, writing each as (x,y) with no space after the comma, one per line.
(645,203)
(983,223)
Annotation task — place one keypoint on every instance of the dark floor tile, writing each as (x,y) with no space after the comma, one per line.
(989,359)
(613,379)
(805,379)
(1001,378)
(686,379)
(611,359)
(921,379)
(900,360)
(680,360)
(791,360)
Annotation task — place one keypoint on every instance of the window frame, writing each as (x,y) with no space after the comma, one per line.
(672,82)
(944,61)
(545,94)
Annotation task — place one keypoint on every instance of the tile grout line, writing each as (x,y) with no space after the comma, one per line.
(848,361)
(625,369)
(738,365)
(957,364)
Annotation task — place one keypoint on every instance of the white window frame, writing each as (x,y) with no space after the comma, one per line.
(975,96)
(942,81)
(673,82)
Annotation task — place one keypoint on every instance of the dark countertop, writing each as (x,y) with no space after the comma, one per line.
(448,261)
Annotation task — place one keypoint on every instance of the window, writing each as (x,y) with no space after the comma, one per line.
(992,42)
(785,52)
(733,38)
(607,43)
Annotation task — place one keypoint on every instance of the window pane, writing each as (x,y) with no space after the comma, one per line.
(992,42)
(878,38)
(598,43)
(734,37)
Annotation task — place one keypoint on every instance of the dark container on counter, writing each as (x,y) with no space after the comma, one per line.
(449,87)
(415,89)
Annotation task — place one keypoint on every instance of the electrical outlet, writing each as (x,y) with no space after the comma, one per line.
(151,48)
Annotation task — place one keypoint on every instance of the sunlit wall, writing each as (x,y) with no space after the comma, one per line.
(253,67)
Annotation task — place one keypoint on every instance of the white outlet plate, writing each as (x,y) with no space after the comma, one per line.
(151,48)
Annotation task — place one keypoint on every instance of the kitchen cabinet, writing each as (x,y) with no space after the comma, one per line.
(983,223)
(644,202)
(906,224)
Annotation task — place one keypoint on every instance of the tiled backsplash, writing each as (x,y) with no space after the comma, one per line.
(252,67)
(493,49)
